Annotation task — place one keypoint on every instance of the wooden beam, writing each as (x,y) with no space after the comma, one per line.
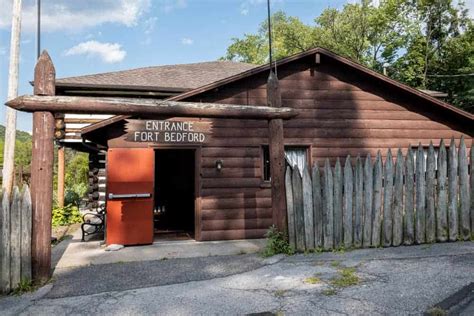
(42,172)
(128,106)
(277,156)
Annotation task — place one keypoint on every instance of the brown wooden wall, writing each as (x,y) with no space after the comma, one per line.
(342,112)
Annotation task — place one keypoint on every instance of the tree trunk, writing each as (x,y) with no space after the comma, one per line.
(10,129)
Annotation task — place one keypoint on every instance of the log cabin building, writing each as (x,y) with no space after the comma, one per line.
(211,177)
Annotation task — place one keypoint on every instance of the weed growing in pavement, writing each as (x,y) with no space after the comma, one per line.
(335,264)
(277,243)
(279,293)
(25,286)
(436,311)
(312,280)
(329,292)
(346,277)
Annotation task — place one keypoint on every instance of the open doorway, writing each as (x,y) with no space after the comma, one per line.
(174,193)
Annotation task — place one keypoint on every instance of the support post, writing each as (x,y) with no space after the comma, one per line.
(42,172)
(277,156)
(61,174)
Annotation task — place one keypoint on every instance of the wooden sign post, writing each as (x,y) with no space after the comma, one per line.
(277,156)
(42,172)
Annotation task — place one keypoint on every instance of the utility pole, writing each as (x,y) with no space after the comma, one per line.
(10,130)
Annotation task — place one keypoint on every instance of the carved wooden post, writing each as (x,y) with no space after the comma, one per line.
(277,155)
(42,172)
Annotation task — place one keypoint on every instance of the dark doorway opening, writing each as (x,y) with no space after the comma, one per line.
(174,193)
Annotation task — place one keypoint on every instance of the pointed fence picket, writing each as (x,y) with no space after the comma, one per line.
(422,197)
(15,239)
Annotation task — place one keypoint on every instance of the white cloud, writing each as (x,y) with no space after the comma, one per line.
(187,41)
(149,24)
(69,15)
(108,52)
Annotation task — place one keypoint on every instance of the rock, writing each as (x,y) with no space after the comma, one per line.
(113,247)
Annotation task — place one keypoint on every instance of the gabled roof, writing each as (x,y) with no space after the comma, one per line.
(256,70)
(179,78)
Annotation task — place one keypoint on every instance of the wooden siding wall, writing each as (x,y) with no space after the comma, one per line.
(341,113)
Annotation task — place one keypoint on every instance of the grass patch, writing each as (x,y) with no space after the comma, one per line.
(329,292)
(25,286)
(335,264)
(346,278)
(312,280)
(436,311)
(277,243)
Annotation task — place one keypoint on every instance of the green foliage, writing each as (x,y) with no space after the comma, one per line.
(277,242)
(25,286)
(66,215)
(346,277)
(312,280)
(425,42)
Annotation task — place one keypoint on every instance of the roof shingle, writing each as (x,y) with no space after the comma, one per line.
(173,77)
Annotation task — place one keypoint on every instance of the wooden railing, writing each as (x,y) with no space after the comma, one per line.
(371,204)
(15,239)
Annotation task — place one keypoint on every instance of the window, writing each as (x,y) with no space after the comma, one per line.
(293,156)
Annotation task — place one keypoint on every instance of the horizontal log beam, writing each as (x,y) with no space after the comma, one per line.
(122,106)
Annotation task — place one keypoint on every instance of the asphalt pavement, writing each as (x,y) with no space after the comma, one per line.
(390,281)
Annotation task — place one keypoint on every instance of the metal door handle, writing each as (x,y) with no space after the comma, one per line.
(129,196)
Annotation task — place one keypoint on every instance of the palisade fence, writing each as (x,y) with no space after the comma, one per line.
(15,239)
(373,204)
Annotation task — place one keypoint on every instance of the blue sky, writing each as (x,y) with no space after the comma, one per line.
(91,36)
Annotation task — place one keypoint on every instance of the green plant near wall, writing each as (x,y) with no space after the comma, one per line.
(277,243)
(66,215)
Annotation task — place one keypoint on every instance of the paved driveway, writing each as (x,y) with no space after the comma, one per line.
(397,281)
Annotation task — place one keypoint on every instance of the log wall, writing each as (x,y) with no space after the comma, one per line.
(341,112)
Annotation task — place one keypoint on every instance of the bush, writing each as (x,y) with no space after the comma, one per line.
(74,194)
(277,242)
(66,215)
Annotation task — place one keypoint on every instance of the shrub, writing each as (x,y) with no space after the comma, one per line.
(277,242)
(66,215)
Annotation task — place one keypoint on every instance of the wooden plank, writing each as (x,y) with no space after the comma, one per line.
(348,207)
(15,238)
(141,106)
(231,183)
(442,195)
(368,199)
(235,192)
(233,203)
(242,213)
(243,162)
(362,114)
(377,204)
(420,197)
(299,208)
(453,225)
(388,201)
(464,198)
(338,217)
(26,234)
(358,202)
(290,208)
(430,195)
(363,124)
(308,209)
(5,244)
(398,200)
(233,224)
(409,217)
(230,172)
(317,206)
(42,172)
(328,207)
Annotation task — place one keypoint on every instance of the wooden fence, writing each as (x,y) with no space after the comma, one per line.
(371,204)
(15,239)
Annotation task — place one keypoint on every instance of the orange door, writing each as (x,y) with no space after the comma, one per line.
(130,187)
